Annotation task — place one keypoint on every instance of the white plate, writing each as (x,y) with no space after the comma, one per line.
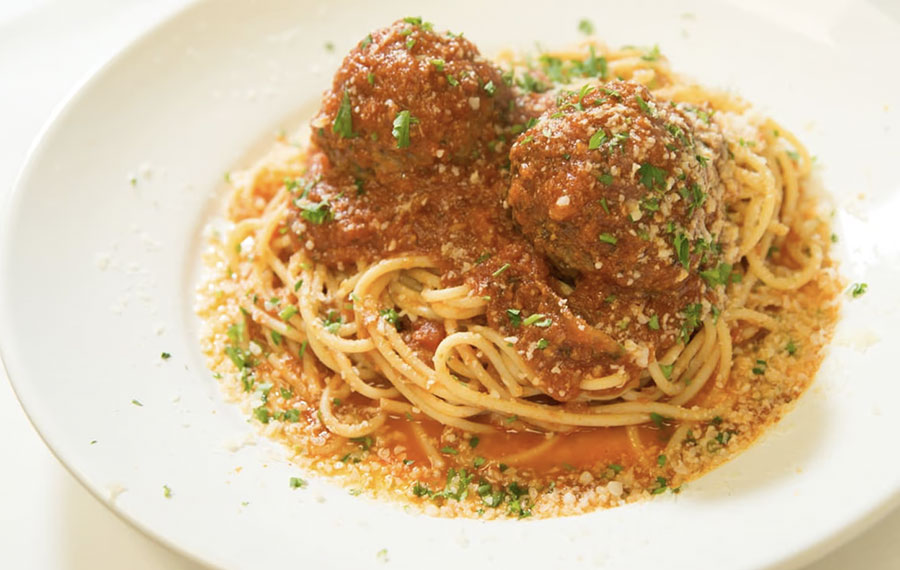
(98,277)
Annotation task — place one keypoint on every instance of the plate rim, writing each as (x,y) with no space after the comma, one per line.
(15,194)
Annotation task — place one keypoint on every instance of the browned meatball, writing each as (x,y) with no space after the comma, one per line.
(613,183)
(410,99)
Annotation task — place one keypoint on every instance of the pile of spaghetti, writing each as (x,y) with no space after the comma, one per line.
(386,356)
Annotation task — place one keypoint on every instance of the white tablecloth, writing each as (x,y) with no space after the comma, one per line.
(47,520)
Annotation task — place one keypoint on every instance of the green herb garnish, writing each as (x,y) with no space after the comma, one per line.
(401,128)
(343,120)
(597,139)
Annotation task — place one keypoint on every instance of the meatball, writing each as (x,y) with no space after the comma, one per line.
(409,99)
(613,183)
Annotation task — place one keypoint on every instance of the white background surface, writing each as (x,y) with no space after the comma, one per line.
(46,519)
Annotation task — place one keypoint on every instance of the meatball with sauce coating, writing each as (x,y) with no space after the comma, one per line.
(408,99)
(613,183)
(620,191)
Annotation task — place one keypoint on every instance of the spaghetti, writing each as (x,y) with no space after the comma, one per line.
(390,366)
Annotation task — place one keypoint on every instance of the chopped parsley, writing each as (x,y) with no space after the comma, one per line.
(645,107)
(414,20)
(608,238)
(604,205)
(167,492)
(614,467)
(294,184)
(858,289)
(657,419)
(661,486)
(691,314)
(661,460)
(611,92)
(650,204)
(667,370)
(286,313)
(515,317)
(619,140)
(490,88)
(694,197)
(542,344)
(332,322)
(651,55)
(364,442)
(606,179)
(452,81)
(276,338)
(473,441)
(401,128)
(653,323)
(538,320)
(261,413)
(586,27)
(478,461)
(597,139)
(676,132)
(503,268)
(721,275)
(652,177)
(449,450)
(291,415)
(165,355)
(682,249)
(136,403)
(343,120)
(318,213)
(391,316)
(760,367)
(297,483)
(791,347)
(438,64)
(530,84)
(482,258)
(592,66)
